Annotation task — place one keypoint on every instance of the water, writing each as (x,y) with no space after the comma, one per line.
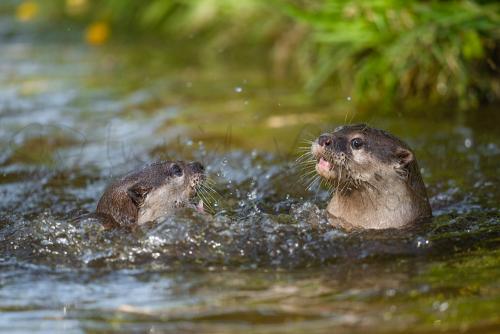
(266,261)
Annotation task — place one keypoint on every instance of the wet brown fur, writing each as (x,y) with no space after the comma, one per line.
(123,200)
(376,186)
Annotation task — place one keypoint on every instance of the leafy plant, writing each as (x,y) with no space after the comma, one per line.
(385,51)
(394,50)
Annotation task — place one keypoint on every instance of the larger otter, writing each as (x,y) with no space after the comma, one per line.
(376,178)
(151,192)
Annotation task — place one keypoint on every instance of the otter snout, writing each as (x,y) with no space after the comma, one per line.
(333,143)
(196,174)
(325,140)
(321,150)
(320,145)
(196,167)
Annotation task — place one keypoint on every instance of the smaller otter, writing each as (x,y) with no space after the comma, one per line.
(376,178)
(151,192)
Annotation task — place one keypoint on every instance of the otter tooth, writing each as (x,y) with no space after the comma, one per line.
(199,207)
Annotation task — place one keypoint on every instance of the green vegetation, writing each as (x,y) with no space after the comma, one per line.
(396,50)
(390,52)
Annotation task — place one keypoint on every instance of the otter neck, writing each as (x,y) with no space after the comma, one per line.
(377,205)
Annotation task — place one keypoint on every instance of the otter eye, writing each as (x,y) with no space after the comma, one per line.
(356,143)
(176,170)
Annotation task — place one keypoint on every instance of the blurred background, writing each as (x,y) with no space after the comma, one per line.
(409,54)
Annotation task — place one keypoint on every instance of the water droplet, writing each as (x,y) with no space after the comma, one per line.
(468,142)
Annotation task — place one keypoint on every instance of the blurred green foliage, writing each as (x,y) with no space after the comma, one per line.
(405,50)
(390,52)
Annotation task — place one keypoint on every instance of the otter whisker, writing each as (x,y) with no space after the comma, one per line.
(209,182)
(214,196)
(312,185)
(202,187)
(307,141)
(210,187)
(305,161)
(324,183)
(206,203)
(308,174)
(346,185)
(329,186)
(307,169)
(338,180)
(314,181)
(209,194)
(306,179)
(307,166)
(305,156)
(205,190)
(304,148)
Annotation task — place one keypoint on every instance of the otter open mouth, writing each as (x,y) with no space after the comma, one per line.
(326,168)
(200,206)
(324,165)
(197,201)
(205,197)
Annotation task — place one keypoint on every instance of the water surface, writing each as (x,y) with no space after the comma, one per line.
(73,118)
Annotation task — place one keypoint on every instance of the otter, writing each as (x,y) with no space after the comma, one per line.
(150,192)
(375,176)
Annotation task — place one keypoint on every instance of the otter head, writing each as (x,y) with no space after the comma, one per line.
(357,155)
(151,192)
(164,185)
(377,179)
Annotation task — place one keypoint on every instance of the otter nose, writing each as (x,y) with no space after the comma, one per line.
(325,140)
(196,167)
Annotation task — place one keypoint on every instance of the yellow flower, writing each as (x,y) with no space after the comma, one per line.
(97,33)
(26,11)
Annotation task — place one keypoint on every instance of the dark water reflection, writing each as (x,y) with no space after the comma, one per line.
(73,118)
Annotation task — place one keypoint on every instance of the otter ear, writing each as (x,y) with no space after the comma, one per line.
(138,193)
(403,157)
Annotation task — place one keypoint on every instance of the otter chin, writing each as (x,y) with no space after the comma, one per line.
(375,177)
(151,192)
